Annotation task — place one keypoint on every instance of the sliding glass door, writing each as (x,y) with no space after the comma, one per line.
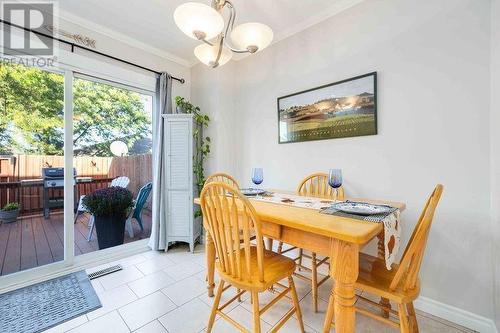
(64,135)
(31,162)
(112,143)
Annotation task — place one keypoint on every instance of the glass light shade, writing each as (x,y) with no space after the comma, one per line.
(208,54)
(252,34)
(193,16)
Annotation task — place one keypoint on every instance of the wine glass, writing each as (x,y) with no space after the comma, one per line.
(335,180)
(257,176)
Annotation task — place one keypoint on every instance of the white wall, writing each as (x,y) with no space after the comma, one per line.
(213,91)
(495,148)
(434,99)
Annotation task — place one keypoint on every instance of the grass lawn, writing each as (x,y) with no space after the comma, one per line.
(338,127)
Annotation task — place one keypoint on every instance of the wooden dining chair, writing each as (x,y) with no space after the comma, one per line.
(227,179)
(230,219)
(314,185)
(401,284)
(224,178)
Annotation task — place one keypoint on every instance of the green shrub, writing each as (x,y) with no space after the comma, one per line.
(11,206)
(109,201)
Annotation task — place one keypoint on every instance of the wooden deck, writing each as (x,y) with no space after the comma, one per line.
(34,241)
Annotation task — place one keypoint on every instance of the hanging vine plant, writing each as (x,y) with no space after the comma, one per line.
(202,143)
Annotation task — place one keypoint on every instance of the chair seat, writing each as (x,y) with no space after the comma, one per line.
(376,279)
(277,267)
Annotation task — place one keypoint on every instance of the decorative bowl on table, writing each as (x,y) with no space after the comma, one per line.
(251,192)
(361,208)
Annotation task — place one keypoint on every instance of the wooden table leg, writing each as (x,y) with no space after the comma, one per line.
(381,254)
(344,272)
(381,245)
(269,243)
(210,251)
(269,246)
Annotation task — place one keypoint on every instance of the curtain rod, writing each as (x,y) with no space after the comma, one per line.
(74,45)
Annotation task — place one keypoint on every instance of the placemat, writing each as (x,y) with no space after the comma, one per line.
(370,218)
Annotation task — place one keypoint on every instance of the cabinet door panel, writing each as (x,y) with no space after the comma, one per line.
(181,211)
(179,155)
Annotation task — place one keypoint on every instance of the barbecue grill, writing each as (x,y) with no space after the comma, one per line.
(53,178)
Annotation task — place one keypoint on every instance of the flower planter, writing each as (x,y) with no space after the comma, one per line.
(9,216)
(110,207)
(110,230)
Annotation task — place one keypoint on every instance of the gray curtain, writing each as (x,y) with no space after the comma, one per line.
(158,239)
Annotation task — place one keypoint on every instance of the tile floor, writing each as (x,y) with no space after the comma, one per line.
(166,293)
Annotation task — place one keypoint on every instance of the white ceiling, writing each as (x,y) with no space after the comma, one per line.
(150,23)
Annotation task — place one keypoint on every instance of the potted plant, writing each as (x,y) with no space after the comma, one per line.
(10,212)
(202,143)
(110,208)
(182,106)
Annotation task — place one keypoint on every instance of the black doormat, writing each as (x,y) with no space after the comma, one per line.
(43,305)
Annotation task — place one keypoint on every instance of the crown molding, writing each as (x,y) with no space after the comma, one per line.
(99,29)
(194,63)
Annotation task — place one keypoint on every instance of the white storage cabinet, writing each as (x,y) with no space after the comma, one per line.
(180,184)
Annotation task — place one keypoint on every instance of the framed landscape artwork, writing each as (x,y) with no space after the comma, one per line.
(338,110)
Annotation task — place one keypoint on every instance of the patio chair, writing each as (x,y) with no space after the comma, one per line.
(122,181)
(141,199)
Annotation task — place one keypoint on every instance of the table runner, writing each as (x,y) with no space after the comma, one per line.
(294,200)
(392,230)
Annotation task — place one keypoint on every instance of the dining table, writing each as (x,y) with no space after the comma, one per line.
(339,237)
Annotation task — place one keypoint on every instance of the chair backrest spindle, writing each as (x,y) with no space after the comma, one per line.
(232,222)
(412,258)
(223,178)
(316,185)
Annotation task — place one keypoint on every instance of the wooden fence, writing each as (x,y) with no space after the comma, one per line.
(20,176)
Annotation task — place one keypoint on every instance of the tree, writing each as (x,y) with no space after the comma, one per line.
(32,103)
(31,106)
(5,139)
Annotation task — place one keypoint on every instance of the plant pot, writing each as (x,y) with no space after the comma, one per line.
(9,216)
(110,230)
(180,110)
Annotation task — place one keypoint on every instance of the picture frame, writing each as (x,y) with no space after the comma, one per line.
(342,109)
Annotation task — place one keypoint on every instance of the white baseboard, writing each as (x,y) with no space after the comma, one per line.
(456,315)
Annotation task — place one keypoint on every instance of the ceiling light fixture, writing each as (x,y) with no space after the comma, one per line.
(206,24)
